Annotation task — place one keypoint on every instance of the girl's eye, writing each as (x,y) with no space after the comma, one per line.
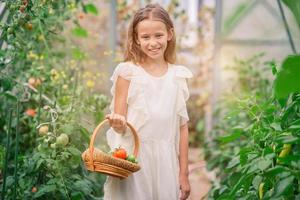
(158,36)
(145,37)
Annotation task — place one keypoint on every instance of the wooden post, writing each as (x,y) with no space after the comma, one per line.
(216,70)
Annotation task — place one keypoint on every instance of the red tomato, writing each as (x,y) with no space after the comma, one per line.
(34,189)
(31,81)
(22,9)
(30,112)
(120,153)
(81,16)
(34,82)
(29,26)
(43,130)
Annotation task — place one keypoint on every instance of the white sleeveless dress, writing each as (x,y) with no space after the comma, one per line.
(156,109)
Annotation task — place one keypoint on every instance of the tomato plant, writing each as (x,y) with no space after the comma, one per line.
(39,74)
(259,154)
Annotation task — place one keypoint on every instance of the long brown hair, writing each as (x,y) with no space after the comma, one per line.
(151,11)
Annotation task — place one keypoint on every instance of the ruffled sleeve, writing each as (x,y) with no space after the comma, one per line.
(137,113)
(181,74)
(124,70)
(135,96)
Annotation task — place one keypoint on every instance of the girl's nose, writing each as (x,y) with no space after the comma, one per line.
(153,44)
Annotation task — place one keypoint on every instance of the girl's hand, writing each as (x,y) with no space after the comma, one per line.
(117,122)
(184,186)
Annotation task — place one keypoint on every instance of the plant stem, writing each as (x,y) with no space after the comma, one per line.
(16,150)
(45,43)
(6,154)
(65,187)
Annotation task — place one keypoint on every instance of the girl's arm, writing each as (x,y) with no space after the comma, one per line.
(121,93)
(117,119)
(183,162)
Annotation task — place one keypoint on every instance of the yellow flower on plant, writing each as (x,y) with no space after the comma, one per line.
(87,74)
(51,11)
(72,64)
(54,74)
(32,55)
(53,71)
(41,38)
(63,74)
(90,83)
(72,6)
(65,87)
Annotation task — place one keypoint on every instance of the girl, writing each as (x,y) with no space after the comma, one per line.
(150,92)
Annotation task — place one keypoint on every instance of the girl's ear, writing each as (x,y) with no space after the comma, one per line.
(138,42)
(170,34)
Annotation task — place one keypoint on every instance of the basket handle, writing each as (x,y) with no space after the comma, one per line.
(133,131)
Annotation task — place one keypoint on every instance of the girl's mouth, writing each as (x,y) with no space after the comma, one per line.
(154,50)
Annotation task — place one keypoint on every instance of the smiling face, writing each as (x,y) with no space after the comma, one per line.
(153,37)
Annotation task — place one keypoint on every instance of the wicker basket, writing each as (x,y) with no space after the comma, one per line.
(98,161)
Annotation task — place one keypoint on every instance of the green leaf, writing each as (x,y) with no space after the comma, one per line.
(264,163)
(200,126)
(99,116)
(294,127)
(289,158)
(68,129)
(10,95)
(274,171)
(76,196)
(85,133)
(44,190)
(80,32)
(296,122)
(234,162)
(77,54)
(283,186)
(2,53)
(74,151)
(243,180)
(256,181)
(59,54)
(224,197)
(294,6)
(53,181)
(228,138)
(287,79)
(274,69)
(287,139)
(276,126)
(39,162)
(244,155)
(91,8)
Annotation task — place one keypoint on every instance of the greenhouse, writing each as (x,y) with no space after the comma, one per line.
(150,100)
